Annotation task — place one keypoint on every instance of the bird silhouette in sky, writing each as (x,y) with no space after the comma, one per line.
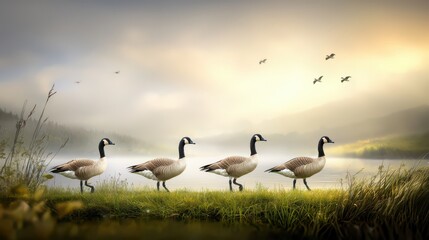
(344,79)
(77,82)
(317,80)
(330,56)
(262,61)
(117,72)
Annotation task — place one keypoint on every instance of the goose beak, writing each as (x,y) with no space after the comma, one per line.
(112,143)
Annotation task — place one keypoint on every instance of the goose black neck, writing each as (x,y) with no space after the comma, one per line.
(252,147)
(101,149)
(181,149)
(320,148)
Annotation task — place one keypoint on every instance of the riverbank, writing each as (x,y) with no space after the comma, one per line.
(390,204)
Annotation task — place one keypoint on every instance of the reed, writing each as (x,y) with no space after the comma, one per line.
(26,161)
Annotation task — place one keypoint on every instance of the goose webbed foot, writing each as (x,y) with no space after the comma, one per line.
(92,187)
(240,187)
(305,182)
(163,184)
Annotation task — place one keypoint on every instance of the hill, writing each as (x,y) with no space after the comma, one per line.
(81,140)
(406,122)
(414,146)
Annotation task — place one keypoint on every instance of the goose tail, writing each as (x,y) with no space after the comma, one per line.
(56,170)
(133,169)
(206,168)
(273,169)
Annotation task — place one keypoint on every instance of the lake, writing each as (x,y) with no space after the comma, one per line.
(192,178)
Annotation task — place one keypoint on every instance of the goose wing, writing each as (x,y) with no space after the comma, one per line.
(72,165)
(152,165)
(224,163)
(292,164)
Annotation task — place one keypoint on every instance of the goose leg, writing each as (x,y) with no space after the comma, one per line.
(305,182)
(92,187)
(157,185)
(81,186)
(230,184)
(294,184)
(163,184)
(239,185)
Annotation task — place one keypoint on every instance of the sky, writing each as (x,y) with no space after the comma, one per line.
(192,67)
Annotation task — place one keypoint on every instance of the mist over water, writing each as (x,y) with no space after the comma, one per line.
(332,176)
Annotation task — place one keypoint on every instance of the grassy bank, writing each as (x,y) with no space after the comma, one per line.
(392,204)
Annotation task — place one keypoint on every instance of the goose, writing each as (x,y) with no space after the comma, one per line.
(262,61)
(318,79)
(303,167)
(163,169)
(330,56)
(84,169)
(345,78)
(236,166)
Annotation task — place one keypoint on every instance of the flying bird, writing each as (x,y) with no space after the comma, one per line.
(330,56)
(317,80)
(77,82)
(117,72)
(343,79)
(262,61)
(303,167)
(84,169)
(236,166)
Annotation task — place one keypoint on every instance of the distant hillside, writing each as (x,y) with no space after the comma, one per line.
(406,122)
(81,140)
(347,112)
(411,146)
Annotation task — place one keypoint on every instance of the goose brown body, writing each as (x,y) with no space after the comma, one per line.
(300,167)
(234,166)
(82,169)
(160,169)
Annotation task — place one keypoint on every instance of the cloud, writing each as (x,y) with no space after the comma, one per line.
(193,67)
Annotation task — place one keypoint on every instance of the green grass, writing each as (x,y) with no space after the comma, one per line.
(391,204)
(412,146)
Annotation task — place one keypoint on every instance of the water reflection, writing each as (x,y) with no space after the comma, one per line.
(194,179)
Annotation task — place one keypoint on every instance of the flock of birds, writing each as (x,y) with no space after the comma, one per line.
(163,169)
(319,79)
(343,79)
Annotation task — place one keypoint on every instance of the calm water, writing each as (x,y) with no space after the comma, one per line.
(194,179)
